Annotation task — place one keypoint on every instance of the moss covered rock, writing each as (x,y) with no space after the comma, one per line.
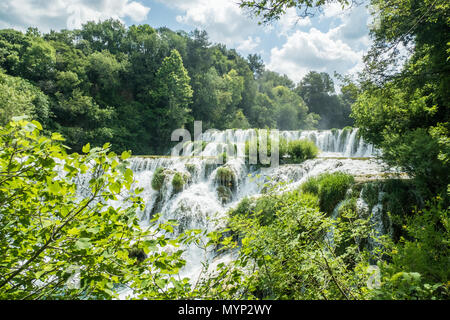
(178,182)
(158,178)
(224,194)
(191,168)
(226,177)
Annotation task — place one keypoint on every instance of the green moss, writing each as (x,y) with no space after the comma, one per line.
(178,182)
(158,178)
(232,147)
(203,144)
(190,167)
(224,194)
(225,177)
(345,132)
(223,156)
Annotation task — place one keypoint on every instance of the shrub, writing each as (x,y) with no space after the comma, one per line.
(370,192)
(418,264)
(330,188)
(61,233)
(158,179)
(290,250)
(282,147)
(301,150)
(311,186)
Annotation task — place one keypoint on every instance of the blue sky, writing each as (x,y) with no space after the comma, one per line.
(334,40)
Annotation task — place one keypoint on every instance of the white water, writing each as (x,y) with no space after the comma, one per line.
(344,142)
(200,206)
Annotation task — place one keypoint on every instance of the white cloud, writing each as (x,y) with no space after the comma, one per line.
(60,14)
(333,10)
(340,48)
(289,21)
(313,50)
(353,30)
(250,44)
(224,21)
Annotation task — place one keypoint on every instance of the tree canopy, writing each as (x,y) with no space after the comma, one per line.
(133,85)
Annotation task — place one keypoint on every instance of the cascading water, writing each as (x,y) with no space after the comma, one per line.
(342,142)
(211,189)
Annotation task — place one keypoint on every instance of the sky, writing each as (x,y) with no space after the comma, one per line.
(334,40)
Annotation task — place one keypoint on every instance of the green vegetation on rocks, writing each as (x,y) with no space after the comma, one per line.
(331,188)
(178,182)
(226,177)
(158,179)
(301,150)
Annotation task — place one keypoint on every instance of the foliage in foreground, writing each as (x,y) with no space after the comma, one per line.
(296,249)
(58,222)
(418,267)
(302,253)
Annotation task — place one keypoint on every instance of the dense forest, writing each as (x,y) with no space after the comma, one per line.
(74,103)
(134,86)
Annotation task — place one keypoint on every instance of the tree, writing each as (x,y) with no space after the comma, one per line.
(270,10)
(256,64)
(49,234)
(172,95)
(38,60)
(317,90)
(290,110)
(104,71)
(407,106)
(106,35)
(107,82)
(19,97)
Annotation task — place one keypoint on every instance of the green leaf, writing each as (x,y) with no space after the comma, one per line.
(37,124)
(54,187)
(86,148)
(83,243)
(125,155)
(57,136)
(129,175)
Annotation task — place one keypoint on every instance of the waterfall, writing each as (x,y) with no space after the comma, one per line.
(337,142)
(211,189)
